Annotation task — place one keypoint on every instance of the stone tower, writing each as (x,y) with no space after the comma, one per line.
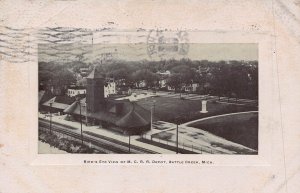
(95,91)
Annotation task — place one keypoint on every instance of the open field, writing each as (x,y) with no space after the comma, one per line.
(167,109)
(239,128)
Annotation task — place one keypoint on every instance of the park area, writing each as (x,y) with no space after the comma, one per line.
(235,133)
(239,128)
(225,129)
(169,109)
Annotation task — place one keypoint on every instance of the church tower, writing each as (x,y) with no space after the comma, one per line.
(95,91)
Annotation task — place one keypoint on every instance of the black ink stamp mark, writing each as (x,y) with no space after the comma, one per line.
(166,44)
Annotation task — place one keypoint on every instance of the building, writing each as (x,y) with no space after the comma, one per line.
(109,88)
(120,115)
(162,83)
(141,84)
(166,73)
(84,71)
(57,104)
(191,87)
(76,90)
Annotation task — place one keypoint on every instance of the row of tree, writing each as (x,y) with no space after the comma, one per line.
(231,78)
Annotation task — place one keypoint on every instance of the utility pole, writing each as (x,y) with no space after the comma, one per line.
(152,112)
(50,118)
(78,102)
(129,143)
(177,138)
(151,117)
(86,118)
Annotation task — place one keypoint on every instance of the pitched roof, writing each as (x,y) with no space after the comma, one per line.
(54,104)
(95,74)
(41,94)
(70,109)
(130,115)
(132,119)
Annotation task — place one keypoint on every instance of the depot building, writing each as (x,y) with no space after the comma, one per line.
(121,115)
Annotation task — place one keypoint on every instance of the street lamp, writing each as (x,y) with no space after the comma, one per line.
(129,142)
(78,102)
(86,118)
(51,117)
(152,112)
(177,127)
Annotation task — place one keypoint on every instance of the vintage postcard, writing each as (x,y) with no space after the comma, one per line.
(101,92)
(108,91)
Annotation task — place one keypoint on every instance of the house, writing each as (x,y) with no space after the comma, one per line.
(166,73)
(109,88)
(191,87)
(171,88)
(141,84)
(76,90)
(162,83)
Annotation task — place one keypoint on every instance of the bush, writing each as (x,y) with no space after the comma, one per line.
(70,146)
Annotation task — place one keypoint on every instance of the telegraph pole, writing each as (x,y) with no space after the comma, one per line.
(177,138)
(50,118)
(78,102)
(129,142)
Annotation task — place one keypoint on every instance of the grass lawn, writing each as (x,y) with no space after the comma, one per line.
(167,109)
(240,128)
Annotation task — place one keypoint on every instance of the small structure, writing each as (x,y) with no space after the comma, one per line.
(203,110)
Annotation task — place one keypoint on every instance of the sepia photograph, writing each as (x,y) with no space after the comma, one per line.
(159,97)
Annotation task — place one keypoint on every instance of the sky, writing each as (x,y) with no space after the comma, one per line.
(142,51)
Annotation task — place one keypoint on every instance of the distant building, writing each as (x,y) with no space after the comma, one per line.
(124,90)
(162,83)
(166,73)
(191,87)
(77,90)
(203,70)
(109,88)
(171,88)
(141,84)
(163,76)
(84,71)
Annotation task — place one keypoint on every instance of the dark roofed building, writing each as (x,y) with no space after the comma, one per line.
(58,103)
(121,115)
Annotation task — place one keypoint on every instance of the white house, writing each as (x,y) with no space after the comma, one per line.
(166,73)
(109,88)
(191,87)
(73,91)
(162,83)
(141,84)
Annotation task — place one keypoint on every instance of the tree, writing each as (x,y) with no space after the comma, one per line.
(175,81)
(149,77)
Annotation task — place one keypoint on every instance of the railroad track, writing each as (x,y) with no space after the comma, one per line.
(107,144)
